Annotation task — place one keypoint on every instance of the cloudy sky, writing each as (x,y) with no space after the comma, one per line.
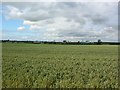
(72,21)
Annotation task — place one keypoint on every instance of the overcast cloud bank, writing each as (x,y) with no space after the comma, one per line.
(73,21)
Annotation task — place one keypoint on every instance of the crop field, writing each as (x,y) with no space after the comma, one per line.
(59,66)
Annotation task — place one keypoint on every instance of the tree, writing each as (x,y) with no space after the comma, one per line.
(99,42)
(64,41)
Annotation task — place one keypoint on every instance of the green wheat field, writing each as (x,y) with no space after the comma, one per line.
(59,66)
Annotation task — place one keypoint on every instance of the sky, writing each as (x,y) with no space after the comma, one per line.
(48,21)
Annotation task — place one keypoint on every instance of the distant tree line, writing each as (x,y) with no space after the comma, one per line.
(64,42)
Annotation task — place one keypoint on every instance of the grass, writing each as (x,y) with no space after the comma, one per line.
(59,66)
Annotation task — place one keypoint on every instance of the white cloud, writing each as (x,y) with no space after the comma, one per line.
(13,12)
(68,20)
(61,1)
(1,35)
(28,22)
(21,28)
(35,27)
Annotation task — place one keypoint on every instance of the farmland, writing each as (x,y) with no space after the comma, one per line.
(59,66)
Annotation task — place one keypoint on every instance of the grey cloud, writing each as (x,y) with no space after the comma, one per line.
(97,19)
(79,34)
(76,18)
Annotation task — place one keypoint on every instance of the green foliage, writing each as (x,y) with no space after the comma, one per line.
(59,66)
